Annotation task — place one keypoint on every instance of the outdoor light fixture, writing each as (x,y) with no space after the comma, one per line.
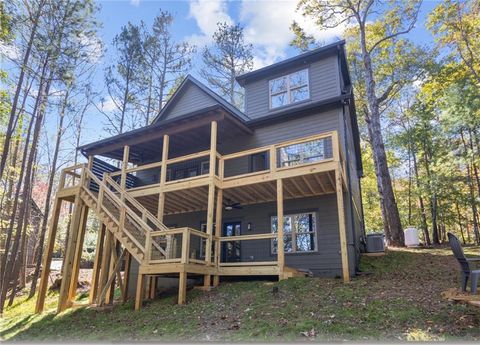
(249,226)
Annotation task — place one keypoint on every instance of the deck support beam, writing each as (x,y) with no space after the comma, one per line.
(211,198)
(123,176)
(280,240)
(107,247)
(67,269)
(126,275)
(341,224)
(139,291)
(78,253)
(163,177)
(113,255)
(182,288)
(114,272)
(218,232)
(47,256)
(96,263)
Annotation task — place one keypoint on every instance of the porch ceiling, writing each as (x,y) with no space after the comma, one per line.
(187,134)
(195,199)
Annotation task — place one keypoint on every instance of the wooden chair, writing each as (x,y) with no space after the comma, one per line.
(467,271)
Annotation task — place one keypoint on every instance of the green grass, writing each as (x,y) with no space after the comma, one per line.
(399,300)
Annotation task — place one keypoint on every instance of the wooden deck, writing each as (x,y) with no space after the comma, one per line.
(132,219)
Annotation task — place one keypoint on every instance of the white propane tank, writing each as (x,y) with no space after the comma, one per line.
(411,237)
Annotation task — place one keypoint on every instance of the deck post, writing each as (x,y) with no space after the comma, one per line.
(123,178)
(96,263)
(152,286)
(47,256)
(78,252)
(280,239)
(218,232)
(126,275)
(67,269)
(107,247)
(163,177)
(341,224)
(182,288)
(113,255)
(211,199)
(139,291)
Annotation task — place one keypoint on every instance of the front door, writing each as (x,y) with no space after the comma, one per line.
(231,250)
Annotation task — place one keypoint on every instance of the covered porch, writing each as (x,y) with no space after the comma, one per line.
(180,168)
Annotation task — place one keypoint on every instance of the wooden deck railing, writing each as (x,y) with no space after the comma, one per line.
(186,245)
(181,245)
(274,163)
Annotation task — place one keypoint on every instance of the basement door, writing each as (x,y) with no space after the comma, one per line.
(231,250)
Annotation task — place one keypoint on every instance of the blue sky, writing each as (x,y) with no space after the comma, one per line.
(266,25)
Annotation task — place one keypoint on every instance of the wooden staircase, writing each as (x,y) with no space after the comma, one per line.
(128,221)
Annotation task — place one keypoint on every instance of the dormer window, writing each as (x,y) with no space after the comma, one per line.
(289,89)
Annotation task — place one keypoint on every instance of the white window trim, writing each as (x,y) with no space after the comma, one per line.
(294,235)
(289,89)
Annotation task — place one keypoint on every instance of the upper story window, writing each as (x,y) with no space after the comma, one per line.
(289,89)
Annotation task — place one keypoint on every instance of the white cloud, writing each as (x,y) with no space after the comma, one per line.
(266,24)
(135,3)
(92,45)
(267,27)
(107,105)
(207,13)
(9,51)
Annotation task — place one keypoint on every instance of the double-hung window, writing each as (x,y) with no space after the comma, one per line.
(289,89)
(299,232)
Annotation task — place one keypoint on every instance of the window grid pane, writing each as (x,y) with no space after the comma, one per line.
(299,233)
(289,89)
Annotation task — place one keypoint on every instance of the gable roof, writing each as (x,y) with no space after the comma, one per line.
(308,56)
(215,98)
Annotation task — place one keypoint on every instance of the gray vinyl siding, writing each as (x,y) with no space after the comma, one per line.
(275,133)
(282,131)
(324,81)
(325,261)
(193,99)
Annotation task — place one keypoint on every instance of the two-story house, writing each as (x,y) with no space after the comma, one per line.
(208,191)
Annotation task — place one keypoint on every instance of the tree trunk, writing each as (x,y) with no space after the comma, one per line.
(459,217)
(20,261)
(473,205)
(3,278)
(420,201)
(473,202)
(396,236)
(23,70)
(25,194)
(46,211)
(386,228)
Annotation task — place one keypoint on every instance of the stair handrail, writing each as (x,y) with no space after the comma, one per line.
(145,212)
(143,225)
(147,229)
